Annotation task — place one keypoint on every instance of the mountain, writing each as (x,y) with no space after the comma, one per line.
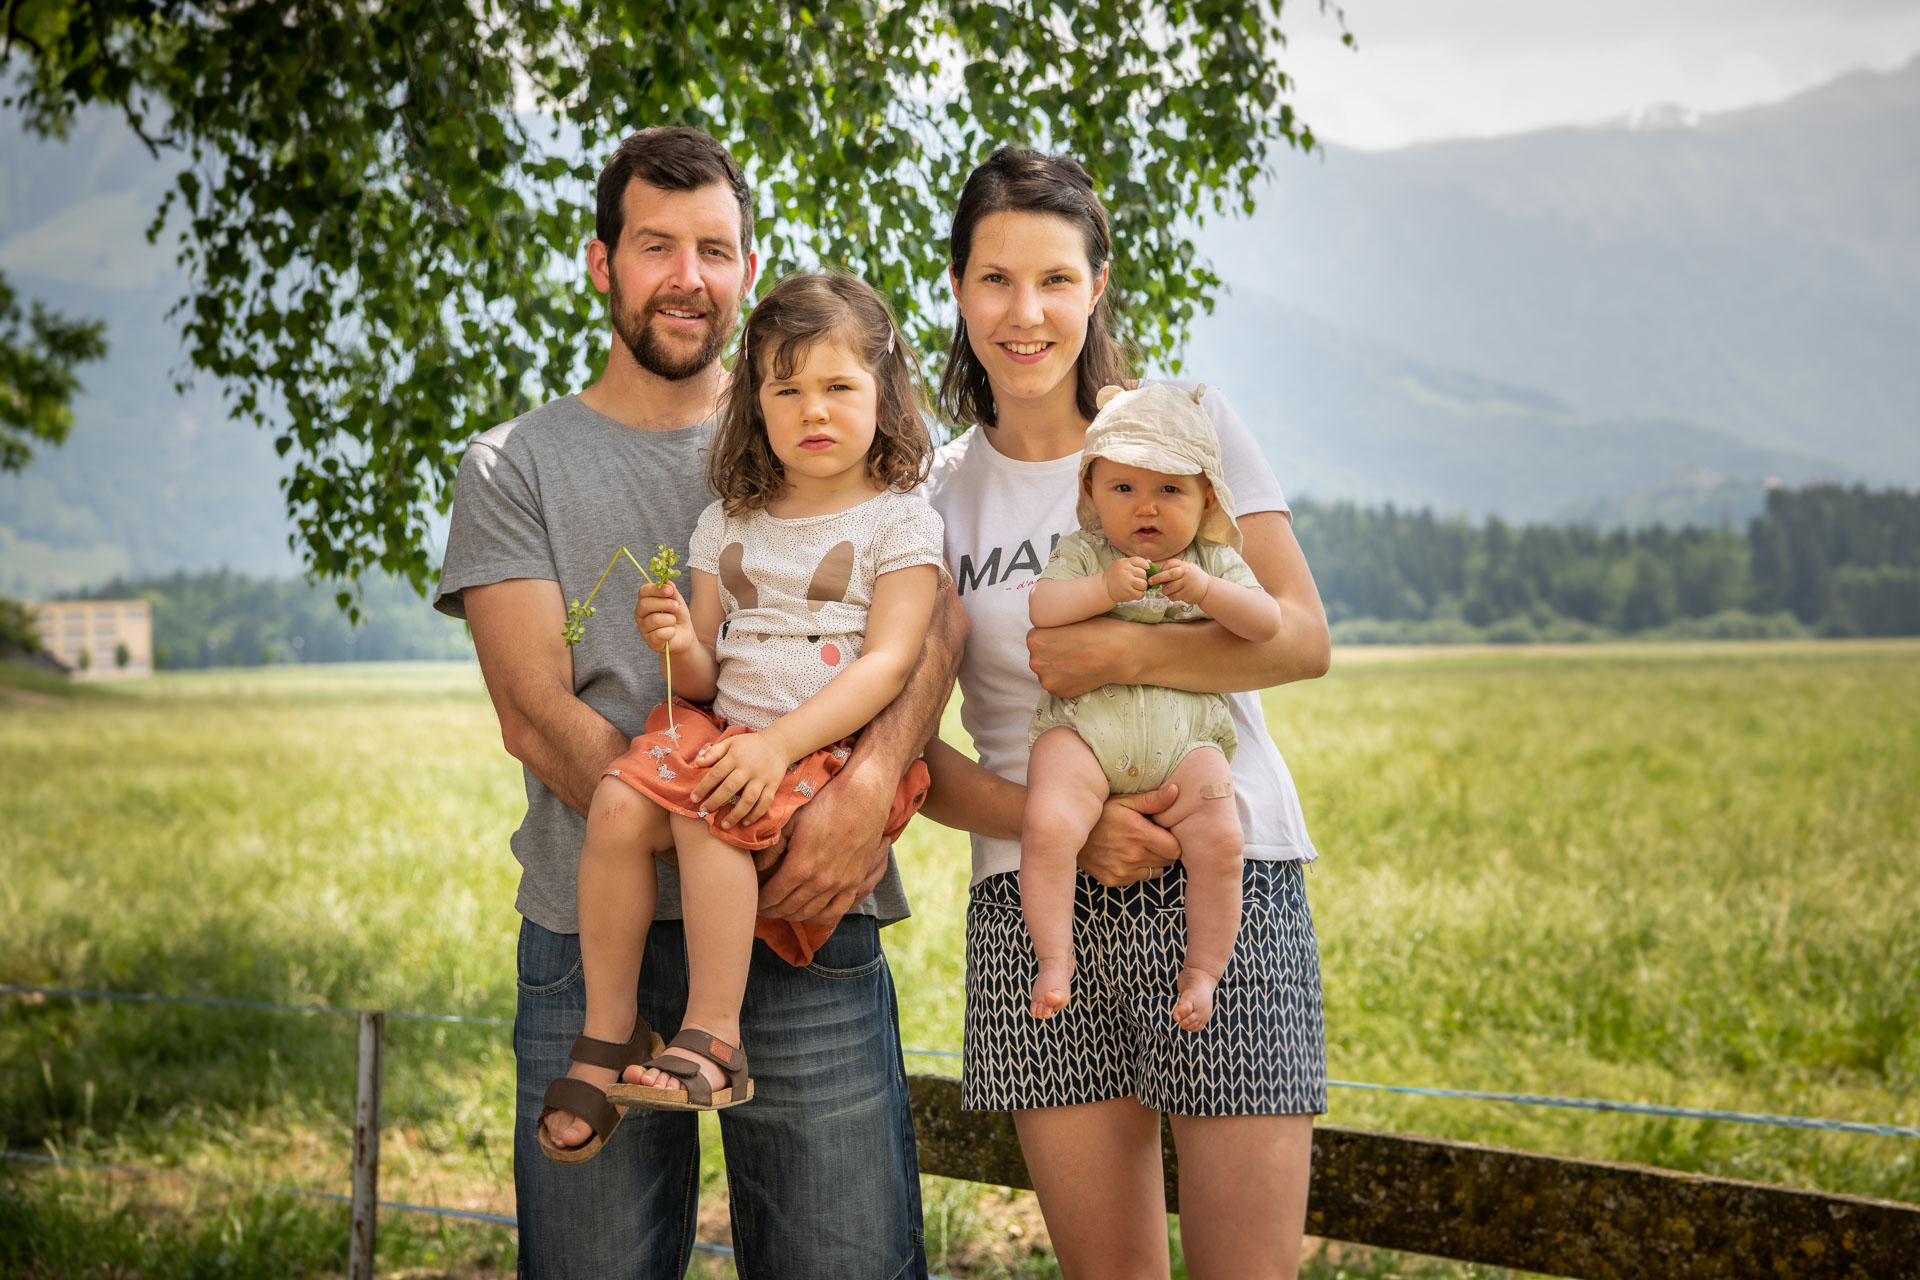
(1344,416)
(1756,272)
(150,480)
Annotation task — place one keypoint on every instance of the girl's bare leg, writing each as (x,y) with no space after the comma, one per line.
(1243,1194)
(719,892)
(1206,823)
(1065,792)
(617,893)
(1102,1189)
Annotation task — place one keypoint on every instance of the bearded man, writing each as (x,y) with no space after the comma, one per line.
(821,1164)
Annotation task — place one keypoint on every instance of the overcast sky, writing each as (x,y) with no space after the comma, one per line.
(1428,69)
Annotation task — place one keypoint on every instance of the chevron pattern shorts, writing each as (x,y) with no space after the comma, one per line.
(1262,1053)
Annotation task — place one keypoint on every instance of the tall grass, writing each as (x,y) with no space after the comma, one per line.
(1688,876)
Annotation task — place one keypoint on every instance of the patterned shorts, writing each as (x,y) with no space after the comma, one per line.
(1262,1053)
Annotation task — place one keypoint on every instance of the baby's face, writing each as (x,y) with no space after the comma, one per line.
(1147,513)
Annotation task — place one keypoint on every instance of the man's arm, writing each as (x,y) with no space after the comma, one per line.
(1203,657)
(529,672)
(834,855)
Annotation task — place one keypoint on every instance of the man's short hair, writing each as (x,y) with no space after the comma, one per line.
(672,158)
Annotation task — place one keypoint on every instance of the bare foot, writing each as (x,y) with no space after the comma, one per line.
(1052,987)
(1195,1004)
(563,1127)
(710,1071)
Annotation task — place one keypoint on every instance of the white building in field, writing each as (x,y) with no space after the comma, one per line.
(99,639)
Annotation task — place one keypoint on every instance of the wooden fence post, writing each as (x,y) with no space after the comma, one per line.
(366,1145)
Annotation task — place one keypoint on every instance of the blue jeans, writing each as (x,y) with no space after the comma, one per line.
(822,1172)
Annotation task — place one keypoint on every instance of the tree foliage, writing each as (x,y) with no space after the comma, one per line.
(1838,561)
(38,352)
(386,204)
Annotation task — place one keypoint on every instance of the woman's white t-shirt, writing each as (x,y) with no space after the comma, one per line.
(1002,518)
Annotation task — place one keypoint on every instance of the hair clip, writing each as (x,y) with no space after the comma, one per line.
(889,340)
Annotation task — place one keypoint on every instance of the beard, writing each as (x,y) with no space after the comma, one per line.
(633,325)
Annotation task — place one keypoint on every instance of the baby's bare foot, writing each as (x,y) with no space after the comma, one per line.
(1195,1004)
(563,1127)
(1052,987)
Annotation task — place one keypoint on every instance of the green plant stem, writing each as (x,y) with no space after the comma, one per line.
(588,604)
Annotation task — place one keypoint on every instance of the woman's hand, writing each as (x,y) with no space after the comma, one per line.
(1126,846)
(1179,580)
(747,766)
(662,617)
(1127,579)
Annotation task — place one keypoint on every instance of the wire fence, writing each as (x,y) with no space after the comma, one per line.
(365,1204)
(1867,1128)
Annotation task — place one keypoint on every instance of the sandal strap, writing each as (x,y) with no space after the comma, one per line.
(687,1072)
(731,1059)
(611,1054)
(576,1096)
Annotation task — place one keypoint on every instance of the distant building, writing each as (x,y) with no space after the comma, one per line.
(99,639)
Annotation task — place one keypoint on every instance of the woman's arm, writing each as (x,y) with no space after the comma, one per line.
(1203,656)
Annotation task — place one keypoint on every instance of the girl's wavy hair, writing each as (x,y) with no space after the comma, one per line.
(1014,180)
(797,313)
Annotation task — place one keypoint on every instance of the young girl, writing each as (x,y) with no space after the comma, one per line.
(814,578)
(1157,543)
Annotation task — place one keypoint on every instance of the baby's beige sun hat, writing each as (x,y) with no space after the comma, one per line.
(1160,427)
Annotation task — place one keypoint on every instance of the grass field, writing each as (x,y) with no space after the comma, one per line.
(1686,875)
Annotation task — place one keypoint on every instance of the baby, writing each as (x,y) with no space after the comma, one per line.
(1157,543)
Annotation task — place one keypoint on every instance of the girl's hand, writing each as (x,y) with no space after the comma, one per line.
(663,619)
(747,769)
(1179,580)
(1127,579)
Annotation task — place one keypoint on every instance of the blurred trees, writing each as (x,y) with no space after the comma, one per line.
(38,352)
(1825,560)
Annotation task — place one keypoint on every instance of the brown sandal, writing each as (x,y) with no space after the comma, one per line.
(587,1101)
(698,1094)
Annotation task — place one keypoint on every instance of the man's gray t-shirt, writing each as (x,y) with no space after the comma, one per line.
(554,494)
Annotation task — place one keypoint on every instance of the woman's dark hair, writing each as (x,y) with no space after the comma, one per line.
(1013,180)
(795,314)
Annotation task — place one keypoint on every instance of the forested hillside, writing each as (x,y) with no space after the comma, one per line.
(1824,560)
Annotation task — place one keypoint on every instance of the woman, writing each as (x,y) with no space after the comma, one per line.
(1030,263)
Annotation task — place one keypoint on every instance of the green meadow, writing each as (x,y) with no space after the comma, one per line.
(1678,874)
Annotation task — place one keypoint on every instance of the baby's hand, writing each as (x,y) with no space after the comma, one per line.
(1127,579)
(747,766)
(662,617)
(1182,581)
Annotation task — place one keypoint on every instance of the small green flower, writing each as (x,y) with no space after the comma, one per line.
(665,564)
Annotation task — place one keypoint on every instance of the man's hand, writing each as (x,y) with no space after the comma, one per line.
(747,766)
(1126,846)
(1078,659)
(834,853)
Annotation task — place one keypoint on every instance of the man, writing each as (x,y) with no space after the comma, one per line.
(821,1164)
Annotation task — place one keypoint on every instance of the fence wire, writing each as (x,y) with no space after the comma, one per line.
(1661,1110)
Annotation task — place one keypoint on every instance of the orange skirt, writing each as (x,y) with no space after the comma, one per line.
(659,765)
